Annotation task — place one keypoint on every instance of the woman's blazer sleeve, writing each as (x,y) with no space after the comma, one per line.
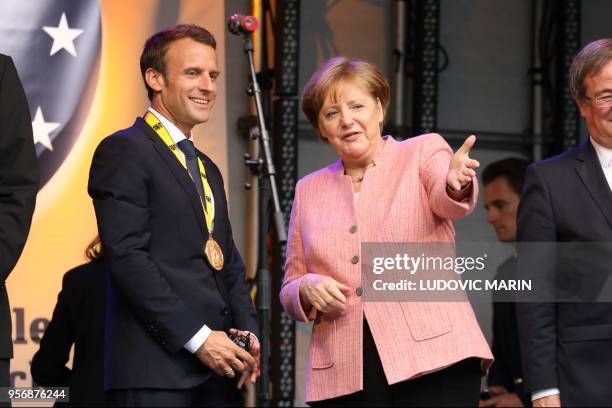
(435,158)
(295,266)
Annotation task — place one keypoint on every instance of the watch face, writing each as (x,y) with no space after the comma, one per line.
(56,48)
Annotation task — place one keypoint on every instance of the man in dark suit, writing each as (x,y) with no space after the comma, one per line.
(503,181)
(177,283)
(567,346)
(18,187)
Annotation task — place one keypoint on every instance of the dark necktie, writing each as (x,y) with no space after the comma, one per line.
(191,159)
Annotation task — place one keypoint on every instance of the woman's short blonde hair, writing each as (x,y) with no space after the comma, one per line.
(342,70)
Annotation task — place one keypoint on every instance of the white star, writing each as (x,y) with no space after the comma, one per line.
(63,36)
(42,129)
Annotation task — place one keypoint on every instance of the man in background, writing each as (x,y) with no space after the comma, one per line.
(18,187)
(503,181)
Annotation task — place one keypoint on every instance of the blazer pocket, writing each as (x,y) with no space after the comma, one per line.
(586,333)
(426,320)
(322,345)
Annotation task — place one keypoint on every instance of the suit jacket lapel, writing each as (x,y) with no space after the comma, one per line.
(590,172)
(177,170)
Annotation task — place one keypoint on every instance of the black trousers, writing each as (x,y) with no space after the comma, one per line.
(5,372)
(454,386)
(5,377)
(214,392)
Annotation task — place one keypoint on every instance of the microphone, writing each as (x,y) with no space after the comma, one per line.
(242,25)
(248,126)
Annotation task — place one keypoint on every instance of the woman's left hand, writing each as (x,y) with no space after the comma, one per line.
(461,168)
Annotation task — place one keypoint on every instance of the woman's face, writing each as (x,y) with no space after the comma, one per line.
(350,120)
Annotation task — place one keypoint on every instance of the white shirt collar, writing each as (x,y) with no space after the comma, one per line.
(174,132)
(604,154)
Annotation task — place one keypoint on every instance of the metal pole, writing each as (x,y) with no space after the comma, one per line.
(267,192)
(264,139)
(400,55)
(536,82)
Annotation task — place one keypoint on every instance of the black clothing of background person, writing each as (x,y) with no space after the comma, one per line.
(18,187)
(507,369)
(78,319)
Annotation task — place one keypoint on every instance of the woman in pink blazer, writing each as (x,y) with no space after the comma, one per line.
(380,190)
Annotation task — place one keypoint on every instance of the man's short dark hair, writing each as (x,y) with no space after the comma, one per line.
(154,52)
(512,168)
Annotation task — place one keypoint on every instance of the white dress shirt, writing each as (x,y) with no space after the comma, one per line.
(604,155)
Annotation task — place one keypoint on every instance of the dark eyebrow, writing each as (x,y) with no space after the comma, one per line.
(196,69)
(333,106)
(495,202)
(199,71)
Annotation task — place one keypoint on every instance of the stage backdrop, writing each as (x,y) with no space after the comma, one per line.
(79,62)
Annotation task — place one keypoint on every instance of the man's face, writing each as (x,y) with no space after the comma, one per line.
(501,204)
(598,119)
(188,90)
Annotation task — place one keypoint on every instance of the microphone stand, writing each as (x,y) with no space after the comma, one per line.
(264,169)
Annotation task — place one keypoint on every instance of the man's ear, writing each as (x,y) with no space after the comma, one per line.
(155,79)
(581,105)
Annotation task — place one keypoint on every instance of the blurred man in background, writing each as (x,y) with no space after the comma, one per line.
(503,181)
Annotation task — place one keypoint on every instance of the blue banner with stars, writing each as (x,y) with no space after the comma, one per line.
(56,47)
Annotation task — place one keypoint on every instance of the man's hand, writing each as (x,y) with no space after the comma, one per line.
(250,375)
(224,357)
(324,293)
(502,400)
(461,168)
(550,401)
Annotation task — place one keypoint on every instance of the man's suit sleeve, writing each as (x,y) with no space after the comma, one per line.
(296,269)
(49,363)
(18,168)
(118,184)
(245,316)
(234,276)
(536,321)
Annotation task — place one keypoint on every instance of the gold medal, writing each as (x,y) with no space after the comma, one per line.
(214,255)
